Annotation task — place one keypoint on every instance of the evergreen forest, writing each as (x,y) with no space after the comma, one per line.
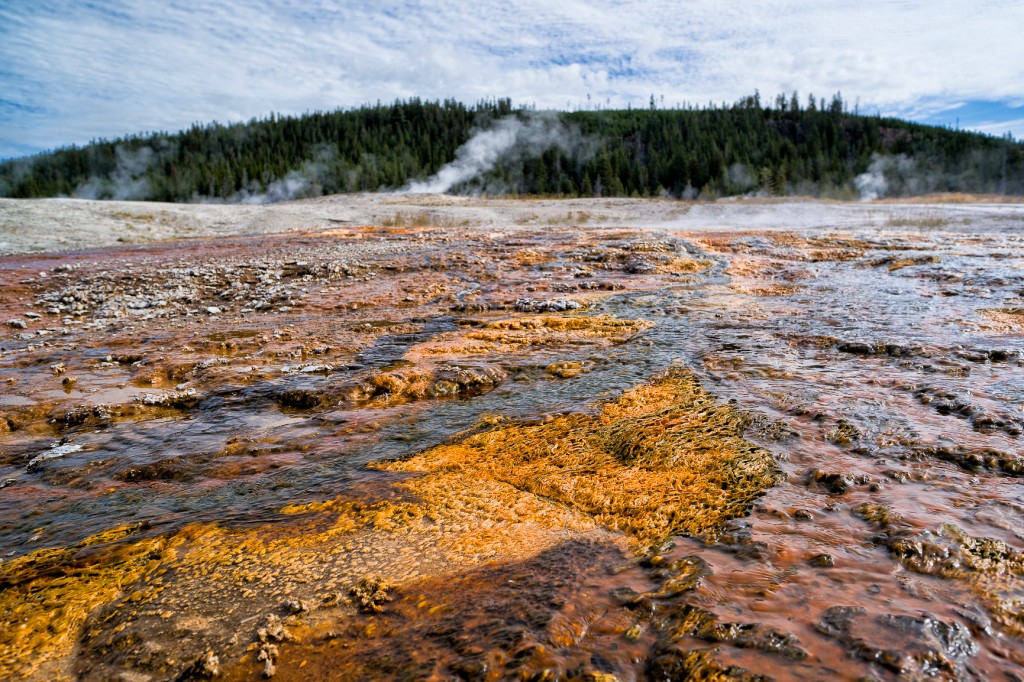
(786,146)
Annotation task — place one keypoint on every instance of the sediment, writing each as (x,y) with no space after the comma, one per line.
(538,452)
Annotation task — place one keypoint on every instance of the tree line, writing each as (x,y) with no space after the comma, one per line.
(780,147)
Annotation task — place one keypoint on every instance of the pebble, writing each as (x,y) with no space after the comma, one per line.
(822,561)
(297,606)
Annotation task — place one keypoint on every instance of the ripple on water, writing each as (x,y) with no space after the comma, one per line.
(864,358)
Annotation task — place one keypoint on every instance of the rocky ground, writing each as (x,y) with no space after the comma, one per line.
(396,437)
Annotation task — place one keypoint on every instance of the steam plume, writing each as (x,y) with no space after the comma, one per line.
(309,180)
(883,171)
(508,140)
(128,181)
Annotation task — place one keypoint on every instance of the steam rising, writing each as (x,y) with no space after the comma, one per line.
(507,141)
(741,177)
(128,180)
(301,183)
(875,183)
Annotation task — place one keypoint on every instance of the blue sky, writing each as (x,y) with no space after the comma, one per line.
(71,72)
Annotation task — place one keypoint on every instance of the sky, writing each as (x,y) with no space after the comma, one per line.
(71,72)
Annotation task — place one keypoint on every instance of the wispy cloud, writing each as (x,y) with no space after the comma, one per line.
(1000,128)
(73,71)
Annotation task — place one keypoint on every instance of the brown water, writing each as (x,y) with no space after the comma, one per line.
(871,364)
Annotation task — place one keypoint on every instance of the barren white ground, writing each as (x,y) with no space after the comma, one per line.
(43,225)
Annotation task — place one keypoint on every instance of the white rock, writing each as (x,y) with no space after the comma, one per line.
(53,453)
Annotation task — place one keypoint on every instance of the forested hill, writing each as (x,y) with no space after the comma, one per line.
(783,147)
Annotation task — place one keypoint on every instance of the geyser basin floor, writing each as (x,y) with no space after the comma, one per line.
(532,452)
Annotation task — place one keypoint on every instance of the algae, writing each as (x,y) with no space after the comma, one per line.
(518,334)
(45,596)
(665,458)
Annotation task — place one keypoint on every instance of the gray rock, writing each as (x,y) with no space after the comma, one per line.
(554,305)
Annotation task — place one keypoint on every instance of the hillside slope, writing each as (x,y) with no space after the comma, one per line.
(788,147)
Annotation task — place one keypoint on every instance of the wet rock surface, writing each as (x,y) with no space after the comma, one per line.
(443,453)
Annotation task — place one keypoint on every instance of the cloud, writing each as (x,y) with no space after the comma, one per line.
(71,72)
(1000,128)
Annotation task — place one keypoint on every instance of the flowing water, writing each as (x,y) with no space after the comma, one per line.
(883,368)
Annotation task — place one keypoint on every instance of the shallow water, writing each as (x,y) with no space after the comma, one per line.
(765,354)
(868,355)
